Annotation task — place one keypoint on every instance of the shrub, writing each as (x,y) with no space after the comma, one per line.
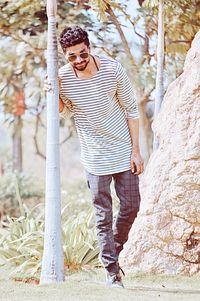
(13,185)
(21,242)
(28,188)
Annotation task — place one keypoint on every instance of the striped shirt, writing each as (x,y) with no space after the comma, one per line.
(100,106)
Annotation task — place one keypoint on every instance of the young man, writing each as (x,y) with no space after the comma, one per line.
(97,91)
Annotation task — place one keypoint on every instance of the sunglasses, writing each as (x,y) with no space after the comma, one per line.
(73,57)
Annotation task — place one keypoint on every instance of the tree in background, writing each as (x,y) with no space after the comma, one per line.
(160,64)
(18,111)
(13,80)
(174,41)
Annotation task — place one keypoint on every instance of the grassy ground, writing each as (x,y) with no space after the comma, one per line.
(82,286)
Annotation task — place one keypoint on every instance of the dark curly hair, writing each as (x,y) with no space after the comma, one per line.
(72,36)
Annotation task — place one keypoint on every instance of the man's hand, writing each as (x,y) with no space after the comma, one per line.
(47,85)
(48,88)
(137,163)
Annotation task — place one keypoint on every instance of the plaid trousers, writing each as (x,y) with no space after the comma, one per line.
(111,237)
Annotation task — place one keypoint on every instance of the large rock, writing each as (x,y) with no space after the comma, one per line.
(165,237)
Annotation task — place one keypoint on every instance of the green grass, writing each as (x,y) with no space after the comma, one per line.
(82,286)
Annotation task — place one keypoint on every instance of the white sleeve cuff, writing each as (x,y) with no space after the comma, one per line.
(132,115)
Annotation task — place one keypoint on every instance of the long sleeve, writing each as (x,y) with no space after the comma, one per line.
(125,93)
(67,111)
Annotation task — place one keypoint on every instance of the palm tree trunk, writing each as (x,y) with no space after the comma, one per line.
(53,262)
(160,63)
(17,144)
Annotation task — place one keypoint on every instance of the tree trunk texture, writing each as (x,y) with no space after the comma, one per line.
(160,69)
(53,262)
(17,144)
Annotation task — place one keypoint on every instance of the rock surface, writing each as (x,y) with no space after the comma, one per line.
(165,237)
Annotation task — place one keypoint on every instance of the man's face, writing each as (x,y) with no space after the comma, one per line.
(78,56)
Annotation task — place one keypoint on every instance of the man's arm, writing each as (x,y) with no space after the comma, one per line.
(127,99)
(64,110)
(137,164)
(61,105)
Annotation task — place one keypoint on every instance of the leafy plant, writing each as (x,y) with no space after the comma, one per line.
(21,241)
(27,186)
(79,240)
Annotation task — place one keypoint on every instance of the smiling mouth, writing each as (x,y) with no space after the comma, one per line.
(80,64)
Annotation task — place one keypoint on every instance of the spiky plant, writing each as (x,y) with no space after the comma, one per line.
(21,241)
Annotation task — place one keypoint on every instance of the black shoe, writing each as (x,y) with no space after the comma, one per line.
(114,281)
(122,271)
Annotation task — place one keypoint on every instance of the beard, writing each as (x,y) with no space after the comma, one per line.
(81,66)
